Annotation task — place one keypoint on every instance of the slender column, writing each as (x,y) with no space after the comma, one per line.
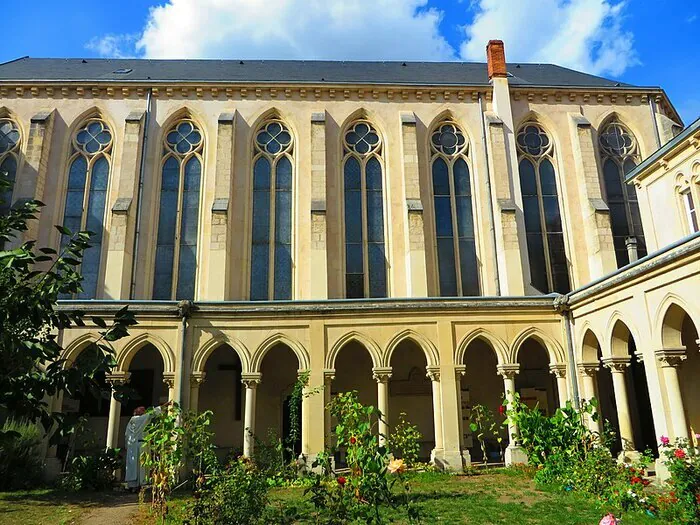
(328,377)
(381,376)
(559,371)
(196,380)
(304,426)
(618,367)
(514,452)
(169,381)
(589,373)
(433,374)
(671,359)
(460,370)
(115,408)
(250,381)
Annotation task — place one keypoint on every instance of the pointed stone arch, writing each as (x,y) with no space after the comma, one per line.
(132,347)
(362,114)
(619,334)
(553,348)
(370,345)
(80,343)
(428,348)
(199,360)
(275,339)
(499,347)
(614,114)
(590,346)
(669,320)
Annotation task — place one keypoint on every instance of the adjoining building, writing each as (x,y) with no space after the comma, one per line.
(432,235)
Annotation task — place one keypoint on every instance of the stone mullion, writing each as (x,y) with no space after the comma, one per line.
(418,279)
(595,212)
(219,272)
(319,250)
(119,261)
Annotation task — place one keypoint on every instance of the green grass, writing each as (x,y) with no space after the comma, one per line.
(496,497)
(43,507)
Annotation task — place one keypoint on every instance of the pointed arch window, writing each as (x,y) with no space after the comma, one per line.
(89,167)
(619,155)
(178,219)
(543,225)
(365,251)
(271,259)
(9,160)
(454,218)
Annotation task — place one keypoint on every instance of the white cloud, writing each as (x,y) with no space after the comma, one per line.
(113,46)
(309,29)
(586,35)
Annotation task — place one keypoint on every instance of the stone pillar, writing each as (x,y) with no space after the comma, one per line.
(305,420)
(250,380)
(447,413)
(460,370)
(169,381)
(589,372)
(514,452)
(319,226)
(433,374)
(31,177)
(618,367)
(196,380)
(119,259)
(115,408)
(559,371)
(670,359)
(417,273)
(219,271)
(381,376)
(595,212)
(328,377)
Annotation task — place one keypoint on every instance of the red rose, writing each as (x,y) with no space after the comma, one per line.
(353,440)
(501,410)
(679,453)
(645,482)
(341,481)
(636,479)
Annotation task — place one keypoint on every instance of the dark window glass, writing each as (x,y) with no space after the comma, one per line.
(441,178)
(446,267)
(73,214)
(260,260)
(167,224)
(547,178)
(187,266)
(538,263)
(443,216)
(260,271)
(462,183)
(354,254)
(9,168)
(375,229)
(97,200)
(528,184)
(283,229)
(377,270)
(613,182)
(469,267)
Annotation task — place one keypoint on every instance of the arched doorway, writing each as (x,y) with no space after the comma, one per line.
(481,385)
(535,382)
(689,373)
(410,392)
(222,393)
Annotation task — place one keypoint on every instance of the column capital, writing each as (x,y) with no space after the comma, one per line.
(197,378)
(433,372)
(558,369)
(508,370)
(617,364)
(381,374)
(640,356)
(251,379)
(671,357)
(118,378)
(169,379)
(589,369)
(328,375)
(460,370)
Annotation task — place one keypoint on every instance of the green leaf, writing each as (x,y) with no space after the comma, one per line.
(63,230)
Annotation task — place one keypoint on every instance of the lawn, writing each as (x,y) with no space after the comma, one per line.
(44,507)
(500,497)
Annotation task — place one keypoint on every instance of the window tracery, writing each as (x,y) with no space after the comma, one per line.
(9,159)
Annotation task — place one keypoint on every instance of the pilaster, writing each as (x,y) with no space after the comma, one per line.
(219,271)
(319,227)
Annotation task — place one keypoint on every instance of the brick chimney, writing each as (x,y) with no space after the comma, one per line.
(496,58)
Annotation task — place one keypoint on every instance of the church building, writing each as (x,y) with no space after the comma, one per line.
(435,236)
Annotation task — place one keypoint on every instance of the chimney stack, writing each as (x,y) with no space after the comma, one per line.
(496,58)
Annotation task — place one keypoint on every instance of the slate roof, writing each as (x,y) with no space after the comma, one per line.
(292,72)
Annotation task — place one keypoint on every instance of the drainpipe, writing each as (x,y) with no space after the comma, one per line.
(184,309)
(142,169)
(562,306)
(489,194)
(652,109)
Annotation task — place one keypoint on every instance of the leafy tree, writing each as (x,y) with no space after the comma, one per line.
(32,367)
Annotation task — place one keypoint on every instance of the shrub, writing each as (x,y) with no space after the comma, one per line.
(683,463)
(92,472)
(404,441)
(20,455)
(484,426)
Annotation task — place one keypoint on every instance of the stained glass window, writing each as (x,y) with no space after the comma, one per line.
(175,275)
(271,258)
(544,231)
(86,196)
(619,155)
(458,270)
(365,249)
(9,160)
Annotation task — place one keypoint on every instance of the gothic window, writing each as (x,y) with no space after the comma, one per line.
(543,225)
(271,260)
(86,196)
(178,220)
(9,160)
(619,155)
(454,219)
(365,251)
(688,192)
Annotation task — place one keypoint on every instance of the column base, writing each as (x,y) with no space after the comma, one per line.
(305,464)
(448,460)
(52,469)
(628,456)
(515,455)
(661,470)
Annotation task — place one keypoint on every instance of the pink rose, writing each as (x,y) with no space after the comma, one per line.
(680,454)
(608,520)
(665,441)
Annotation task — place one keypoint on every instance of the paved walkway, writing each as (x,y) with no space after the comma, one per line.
(117,509)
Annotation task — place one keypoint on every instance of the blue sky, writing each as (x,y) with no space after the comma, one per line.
(642,42)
